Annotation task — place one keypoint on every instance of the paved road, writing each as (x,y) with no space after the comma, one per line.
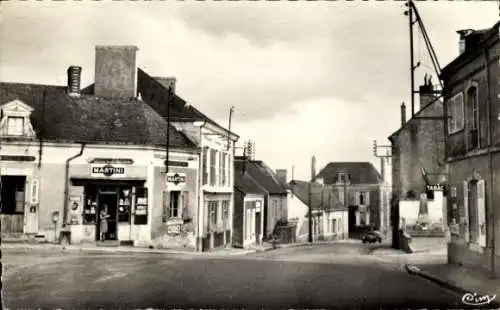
(86,280)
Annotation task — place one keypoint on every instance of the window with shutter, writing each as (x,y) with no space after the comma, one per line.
(466,211)
(175,204)
(481,213)
(367,198)
(166,206)
(185,205)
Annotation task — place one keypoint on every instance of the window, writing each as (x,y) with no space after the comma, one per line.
(124,204)
(333,226)
(343,177)
(229,169)
(363,198)
(213,168)
(472,118)
(205,165)
(175,205)
(15,126)
(223,169)
(225,213)
(212,213)
(342,197)
(456,113)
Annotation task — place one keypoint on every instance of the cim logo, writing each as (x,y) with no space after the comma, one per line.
(176,179)
(108,170)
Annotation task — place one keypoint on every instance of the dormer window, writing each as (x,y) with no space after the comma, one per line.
(15,126)
(15,120)
(343,178)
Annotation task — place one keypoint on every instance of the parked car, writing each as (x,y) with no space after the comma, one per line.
(372,237)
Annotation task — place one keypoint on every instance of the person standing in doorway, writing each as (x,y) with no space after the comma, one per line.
(103,228)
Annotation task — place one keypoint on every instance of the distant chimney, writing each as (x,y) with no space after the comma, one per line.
(461,43)
(281,174)
(115,71)
(426,92)
(313,168)
(167,82)
(74,78)
(403,114)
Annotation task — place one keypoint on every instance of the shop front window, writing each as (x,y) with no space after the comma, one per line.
(124,205)
(90,205)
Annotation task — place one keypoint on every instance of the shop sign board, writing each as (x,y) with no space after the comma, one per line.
(176,179)
(107,170)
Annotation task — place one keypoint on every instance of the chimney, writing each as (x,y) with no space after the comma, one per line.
(461,43)
(403,114)
(74,78)
(281,174)
(167,82)
(115,71)
(313,168)
(426,92)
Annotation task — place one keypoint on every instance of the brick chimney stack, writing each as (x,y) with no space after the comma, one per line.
(426,92)
(115,71)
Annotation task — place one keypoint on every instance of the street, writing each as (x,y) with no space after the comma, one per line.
(61,279)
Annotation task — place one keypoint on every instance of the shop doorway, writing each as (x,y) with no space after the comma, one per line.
(13,191)
(108,199)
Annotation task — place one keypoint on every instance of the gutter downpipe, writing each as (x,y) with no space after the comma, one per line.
(199,238)
(490,165)
(66,184)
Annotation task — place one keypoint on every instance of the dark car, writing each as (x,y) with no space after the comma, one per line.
(372,237)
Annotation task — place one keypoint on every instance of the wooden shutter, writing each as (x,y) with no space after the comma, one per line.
(185,205)
(357,200)
(466,210)
(481,213)
(166,205)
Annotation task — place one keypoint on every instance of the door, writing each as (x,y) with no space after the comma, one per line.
(481,214)
(109,200)
(258,230)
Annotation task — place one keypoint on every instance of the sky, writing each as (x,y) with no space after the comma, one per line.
(305,78)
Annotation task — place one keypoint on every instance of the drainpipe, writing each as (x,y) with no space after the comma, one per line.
(490,164)
(66,184)
(199,239)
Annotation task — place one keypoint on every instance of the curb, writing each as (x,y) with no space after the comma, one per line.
(50,247)
(415,271)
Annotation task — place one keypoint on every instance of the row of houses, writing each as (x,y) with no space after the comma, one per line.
(128,144)
(452,145)
(165,173)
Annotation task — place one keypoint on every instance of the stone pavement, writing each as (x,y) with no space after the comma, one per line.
(464,278)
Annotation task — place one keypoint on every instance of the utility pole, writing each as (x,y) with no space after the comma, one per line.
(231,110)
(412,66)
(384,188)
(309,200)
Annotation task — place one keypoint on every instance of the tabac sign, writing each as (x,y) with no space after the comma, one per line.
(176,179)
(107,170)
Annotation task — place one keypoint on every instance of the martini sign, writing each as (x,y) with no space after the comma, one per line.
(177,179)
(108,170)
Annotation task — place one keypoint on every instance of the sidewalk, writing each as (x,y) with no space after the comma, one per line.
(119,249)
(463,279)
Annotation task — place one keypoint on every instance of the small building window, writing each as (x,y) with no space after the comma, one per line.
(473,118)
(174,204)
(15,126)
(456,113)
